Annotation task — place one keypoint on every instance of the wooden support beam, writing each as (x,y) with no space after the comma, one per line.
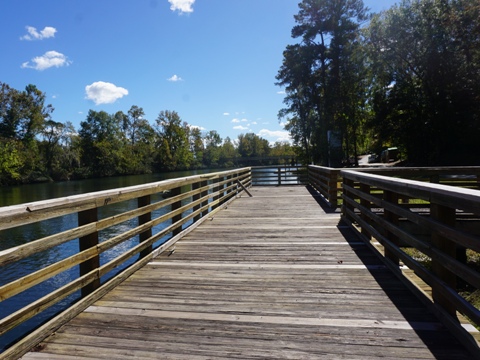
(444,215)
(244,188)
(175,206)
(391,217)
(143,219)
(86,242)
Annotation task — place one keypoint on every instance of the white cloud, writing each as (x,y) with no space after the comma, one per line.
(254,123)
(240,127)
(104,93)
(278,135)
(47,60)
(182,6)
(244,120)
(226,114)
(175,78)
(235,121)
(197,127)
(33,34)
(281,92)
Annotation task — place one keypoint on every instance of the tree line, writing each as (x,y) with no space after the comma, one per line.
(406,77)
(34,147)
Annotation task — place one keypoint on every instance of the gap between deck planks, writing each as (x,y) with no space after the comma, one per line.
(272,276)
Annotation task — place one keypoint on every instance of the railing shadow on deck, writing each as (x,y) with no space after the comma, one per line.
(320,199)
(404,221)
(402,298)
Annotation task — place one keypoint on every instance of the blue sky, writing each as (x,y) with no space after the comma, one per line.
(212,61)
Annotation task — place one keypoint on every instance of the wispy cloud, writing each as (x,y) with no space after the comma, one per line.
(278,135)
(47,60)
(240,127)
(101,92)
(175,78)
(33,34)
(235,121)
(281,92)
(201,128)
(226,114)
(182,6)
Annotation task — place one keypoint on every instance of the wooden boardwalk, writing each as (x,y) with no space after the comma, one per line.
(270,277)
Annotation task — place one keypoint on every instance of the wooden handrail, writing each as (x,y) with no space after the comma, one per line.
(192,199)
(325,180)
(279,175)
(404,214)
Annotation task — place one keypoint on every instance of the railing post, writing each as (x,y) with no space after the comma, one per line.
(203,194)
(175,206)
(195,197)
(364,188)
(87,242)
(279,170)
(332,188)
(346,206)
(216,191)
(392,218)
(143,219)
(229,190)
(446,216)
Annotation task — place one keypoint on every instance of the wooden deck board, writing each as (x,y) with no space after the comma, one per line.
(270,277)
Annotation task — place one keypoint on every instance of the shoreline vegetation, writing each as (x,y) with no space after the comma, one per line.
(34,148)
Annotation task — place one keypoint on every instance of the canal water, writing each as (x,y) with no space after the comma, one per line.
(13,237)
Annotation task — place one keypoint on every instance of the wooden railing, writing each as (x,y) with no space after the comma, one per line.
(279,175)
(158,215)
(328,181)
(427,227)
(459,176)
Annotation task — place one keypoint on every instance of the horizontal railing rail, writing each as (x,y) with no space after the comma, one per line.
(105,246)
(328,182)
(279,175)
(424,227)
(460,176)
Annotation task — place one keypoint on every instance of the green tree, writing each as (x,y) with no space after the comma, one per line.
(132,122)
(22,114)
(228,153)
(10,162)
(197,147)
(319,74)
(425,85)
(212,148)
(302,98)
(252,145)
(173,142)
(101,144)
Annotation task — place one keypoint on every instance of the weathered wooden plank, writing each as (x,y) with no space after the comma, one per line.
(257,282)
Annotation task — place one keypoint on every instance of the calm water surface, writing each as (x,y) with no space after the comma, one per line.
(13,237)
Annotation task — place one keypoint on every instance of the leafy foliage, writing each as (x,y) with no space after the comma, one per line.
(410,77)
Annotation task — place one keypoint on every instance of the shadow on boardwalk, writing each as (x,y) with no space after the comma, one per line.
(431,332)
(275,276)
